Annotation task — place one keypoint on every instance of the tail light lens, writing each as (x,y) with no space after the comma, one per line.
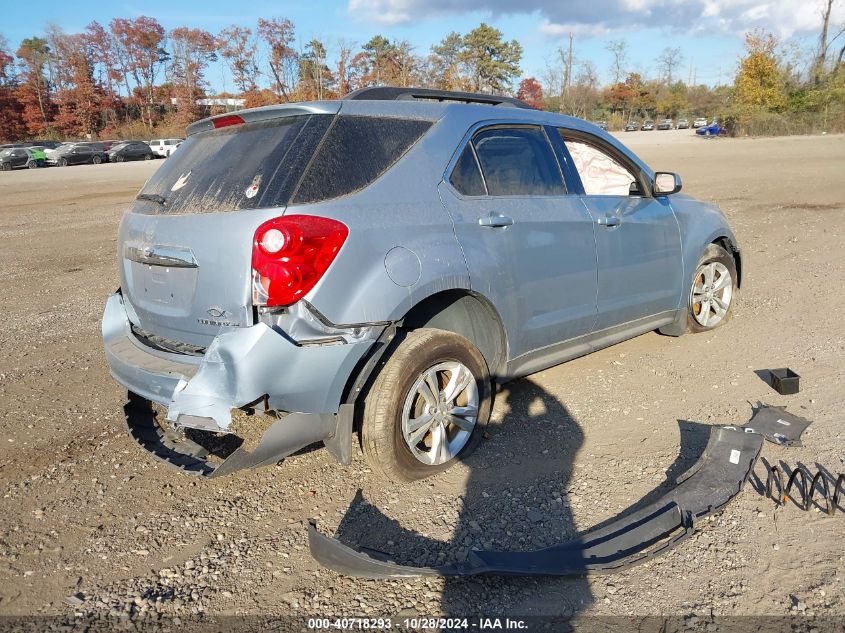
(290,255)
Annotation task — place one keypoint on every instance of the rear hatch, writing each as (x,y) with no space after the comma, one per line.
(185,246)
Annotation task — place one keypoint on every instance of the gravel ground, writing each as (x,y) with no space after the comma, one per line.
(91,525)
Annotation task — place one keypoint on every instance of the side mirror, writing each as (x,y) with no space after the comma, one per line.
(666,183)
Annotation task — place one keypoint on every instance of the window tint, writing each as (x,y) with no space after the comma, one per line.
(466,177)
(247,166)
(517,161)
(601,174)
(356,151)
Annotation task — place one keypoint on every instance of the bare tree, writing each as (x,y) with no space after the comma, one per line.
(619,50)
(668,61)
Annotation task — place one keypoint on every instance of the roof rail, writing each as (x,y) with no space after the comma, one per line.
(391,93)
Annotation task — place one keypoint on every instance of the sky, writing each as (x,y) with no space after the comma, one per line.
(709,32)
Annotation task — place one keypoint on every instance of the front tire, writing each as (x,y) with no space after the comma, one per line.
(96,160)
(147,156)
(713,290)
(62,162)
(428,406)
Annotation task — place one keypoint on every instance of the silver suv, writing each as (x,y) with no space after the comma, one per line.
(379,263)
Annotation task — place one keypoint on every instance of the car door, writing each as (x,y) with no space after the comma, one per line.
(80,154)
(529,246)
(638,244)
(19,157)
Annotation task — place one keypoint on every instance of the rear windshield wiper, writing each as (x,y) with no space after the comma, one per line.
(152,197)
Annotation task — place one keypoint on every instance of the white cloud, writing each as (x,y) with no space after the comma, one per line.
(784,17)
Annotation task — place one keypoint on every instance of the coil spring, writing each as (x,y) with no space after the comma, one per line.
(798,479)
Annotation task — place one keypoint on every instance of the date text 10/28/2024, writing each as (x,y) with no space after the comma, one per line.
(417,623)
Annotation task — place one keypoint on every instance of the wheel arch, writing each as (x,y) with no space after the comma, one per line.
(468,314)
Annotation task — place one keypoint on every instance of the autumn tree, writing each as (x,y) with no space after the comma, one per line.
(140,53)
(445,63)
(315,77)
(759,82)
(33,55)
(278,35)
(668,60)
(531,92)
(491,62)
(619,51)
(239,50)
(11,121)
(191,52)
(81,100)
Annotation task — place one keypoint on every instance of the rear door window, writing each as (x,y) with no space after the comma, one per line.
(356,151)
(518,161)
(466,176)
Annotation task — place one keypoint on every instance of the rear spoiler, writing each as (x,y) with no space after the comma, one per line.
(266,113)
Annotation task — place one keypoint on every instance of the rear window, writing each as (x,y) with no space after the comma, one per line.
(356,151)
(235,168)
(295,159)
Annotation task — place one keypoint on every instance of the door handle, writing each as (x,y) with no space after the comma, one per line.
(495,220)
(610,220)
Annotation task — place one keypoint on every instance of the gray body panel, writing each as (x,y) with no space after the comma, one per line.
(561,283)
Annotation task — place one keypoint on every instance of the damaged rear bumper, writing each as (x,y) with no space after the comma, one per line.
(241,367)
(716,478)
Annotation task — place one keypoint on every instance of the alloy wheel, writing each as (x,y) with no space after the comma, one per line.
(440,413)
(711,294)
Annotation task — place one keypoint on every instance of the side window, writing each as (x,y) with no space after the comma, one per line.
(466,177)
(355,151)
(601,174)
(518,161)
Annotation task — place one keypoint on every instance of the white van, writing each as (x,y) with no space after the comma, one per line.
(164,146)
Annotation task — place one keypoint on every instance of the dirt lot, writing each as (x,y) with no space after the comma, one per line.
(86,515)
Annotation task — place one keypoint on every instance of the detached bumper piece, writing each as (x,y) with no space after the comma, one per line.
(636,537)
(286,436)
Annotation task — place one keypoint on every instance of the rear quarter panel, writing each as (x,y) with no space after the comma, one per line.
(399,213)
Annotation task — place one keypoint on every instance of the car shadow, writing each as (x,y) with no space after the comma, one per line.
(513,494)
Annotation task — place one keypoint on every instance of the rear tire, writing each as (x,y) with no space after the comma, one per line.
(32,164)
(427,407)
(96,160)
(147,156)
(6,166)
(713,290)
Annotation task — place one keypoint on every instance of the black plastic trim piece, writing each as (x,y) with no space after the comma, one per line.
(391,93)
(716,478)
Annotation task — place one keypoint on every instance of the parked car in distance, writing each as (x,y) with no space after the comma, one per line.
(45,144)
(711,129)
(15,157)
(699,122)
(647,125)
(130,150)
(164,146)
(77,154)
(602,124)
(267,267)
(51,152)
(665,124)
(10,145)
(38,155)
(683,124)
(632,126)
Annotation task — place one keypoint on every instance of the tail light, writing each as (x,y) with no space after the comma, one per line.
(290,255)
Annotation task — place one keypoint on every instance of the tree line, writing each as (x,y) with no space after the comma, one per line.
(133,78)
